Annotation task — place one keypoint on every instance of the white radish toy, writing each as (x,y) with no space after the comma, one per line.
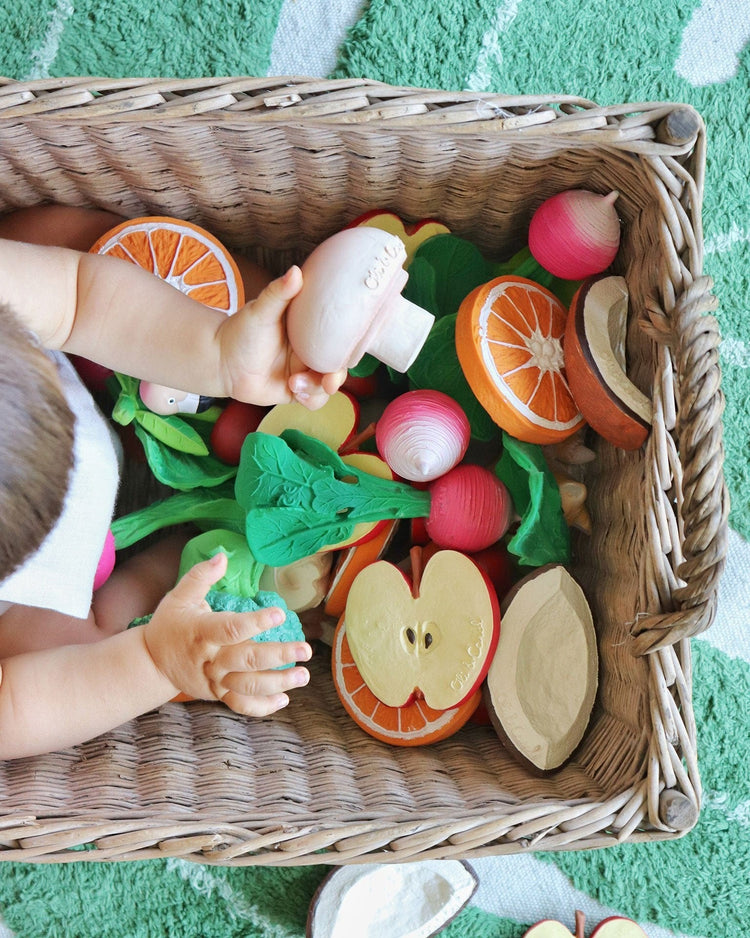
(422,435)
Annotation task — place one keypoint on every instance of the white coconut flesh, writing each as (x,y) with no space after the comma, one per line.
(605,310)
(413,900)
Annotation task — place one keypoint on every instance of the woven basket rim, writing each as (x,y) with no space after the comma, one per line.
(359,108)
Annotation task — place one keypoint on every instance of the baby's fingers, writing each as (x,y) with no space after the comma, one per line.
(272,301)
(257,656)
(231,629)
(312,389)
(258,693)
(192,587)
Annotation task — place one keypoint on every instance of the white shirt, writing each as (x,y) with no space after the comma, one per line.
(60,574)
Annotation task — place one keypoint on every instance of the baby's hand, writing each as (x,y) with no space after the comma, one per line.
(211,656)
(260,365)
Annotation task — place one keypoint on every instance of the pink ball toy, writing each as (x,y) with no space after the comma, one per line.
(470,509)
(106,562)
(575,234)
(422,434)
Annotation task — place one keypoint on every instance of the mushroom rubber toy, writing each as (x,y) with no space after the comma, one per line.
(351,304)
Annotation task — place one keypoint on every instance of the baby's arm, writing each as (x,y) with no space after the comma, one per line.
(63,696)
(125,318)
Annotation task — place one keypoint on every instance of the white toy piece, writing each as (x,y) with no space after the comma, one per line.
(351,304)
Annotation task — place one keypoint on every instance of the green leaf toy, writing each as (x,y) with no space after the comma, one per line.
(448,269)
(300,497)
(237,590)
(176,449)
(524,264)
(543,536)
(206,508)
(242,577)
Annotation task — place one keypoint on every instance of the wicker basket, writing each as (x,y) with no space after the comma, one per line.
(272,166)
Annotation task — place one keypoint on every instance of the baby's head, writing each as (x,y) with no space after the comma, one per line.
(36,452)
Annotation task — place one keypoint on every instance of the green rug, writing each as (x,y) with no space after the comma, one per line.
(606,50)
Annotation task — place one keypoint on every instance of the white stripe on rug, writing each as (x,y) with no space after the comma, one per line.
(490,54)
(729,632)
(308,36)
(725,240)
(210,885)
(712,42)
(43,57)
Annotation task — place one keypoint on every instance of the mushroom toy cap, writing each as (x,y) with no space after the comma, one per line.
(350,303)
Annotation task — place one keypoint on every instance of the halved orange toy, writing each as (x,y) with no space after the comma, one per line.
(509,340)
(183,254)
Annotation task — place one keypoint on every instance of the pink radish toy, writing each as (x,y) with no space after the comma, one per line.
(576,233)
(106,562)
(351,303)
(422,434)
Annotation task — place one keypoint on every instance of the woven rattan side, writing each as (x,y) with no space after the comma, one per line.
(272,166)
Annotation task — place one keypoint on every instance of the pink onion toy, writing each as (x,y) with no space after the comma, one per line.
(350,303)
(422,434)
(576,233)
(106,562)
(470,509)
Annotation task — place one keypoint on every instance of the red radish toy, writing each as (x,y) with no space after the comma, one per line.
(300,496)
(470,509)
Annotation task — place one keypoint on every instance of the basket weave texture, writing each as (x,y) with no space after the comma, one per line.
(272,166)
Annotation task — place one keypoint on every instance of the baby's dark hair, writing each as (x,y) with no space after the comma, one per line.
(36,453)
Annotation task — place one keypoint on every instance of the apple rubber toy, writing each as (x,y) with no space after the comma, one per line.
(433,639)
(409,656)
(422,434)
(575,234)
(351,304)
(616,926)
(413,235)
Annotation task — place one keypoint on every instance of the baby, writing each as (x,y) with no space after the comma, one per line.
(69,667)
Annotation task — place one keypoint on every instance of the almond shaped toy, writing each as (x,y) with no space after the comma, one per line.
(351,304)
(393,900)
(542,682)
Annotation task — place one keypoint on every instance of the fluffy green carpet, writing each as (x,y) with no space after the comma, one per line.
(606,50)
